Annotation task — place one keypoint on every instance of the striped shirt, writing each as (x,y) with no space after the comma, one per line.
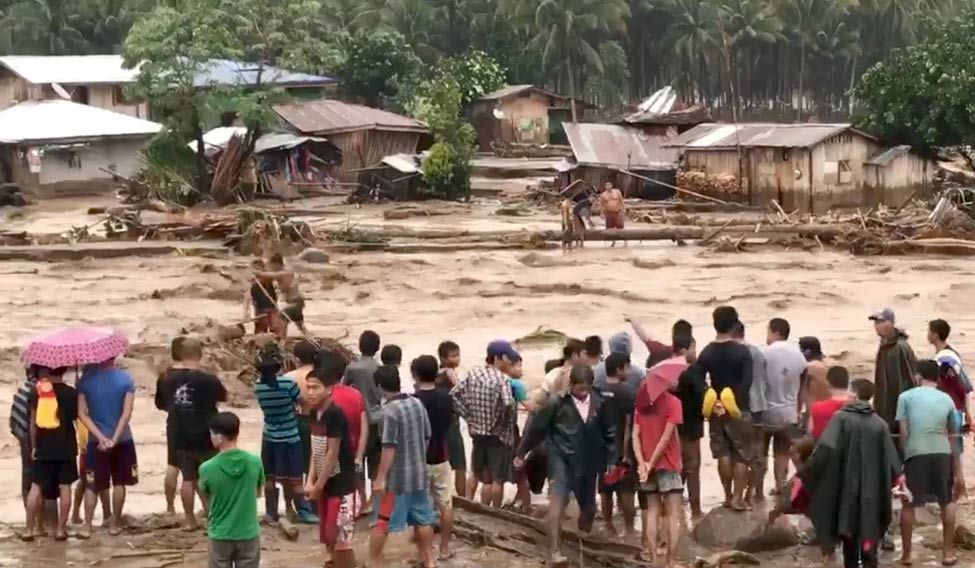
(278,404)
(406,428)
(19,413)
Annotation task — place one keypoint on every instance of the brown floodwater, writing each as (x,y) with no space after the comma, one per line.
(418,300)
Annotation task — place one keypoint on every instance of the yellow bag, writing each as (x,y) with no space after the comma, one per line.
(47,406)
(727,399)
(729,403)
(710,399)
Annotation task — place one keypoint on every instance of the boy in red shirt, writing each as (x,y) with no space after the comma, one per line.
(820,412)
(658,452)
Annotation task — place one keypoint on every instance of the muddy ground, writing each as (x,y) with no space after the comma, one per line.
(417,300)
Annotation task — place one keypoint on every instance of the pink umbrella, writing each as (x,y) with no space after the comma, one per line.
(660,378)
(75,346)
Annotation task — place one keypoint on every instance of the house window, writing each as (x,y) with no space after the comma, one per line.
(118,96)
(74,161)
(844,173)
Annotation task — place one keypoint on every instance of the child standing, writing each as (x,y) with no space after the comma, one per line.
(53,409)
(232,481)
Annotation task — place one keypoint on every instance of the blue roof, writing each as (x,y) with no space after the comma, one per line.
(227,72)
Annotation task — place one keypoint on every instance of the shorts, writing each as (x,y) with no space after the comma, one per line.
(234,553)
(441,484)
(614,220)
(294,311)
(662,481)
(51,475)
(690,456)
(780,438)
(456,452)
(171,454)
(930,478)
(283,460)
(733,438)
(189,461)
(266,323)
(336,520)
(394,512)
(118,467)
(490,457)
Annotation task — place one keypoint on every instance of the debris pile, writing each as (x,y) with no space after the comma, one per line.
(726,186)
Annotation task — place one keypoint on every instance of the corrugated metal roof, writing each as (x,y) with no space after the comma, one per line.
(58,120)
(612,146)
(282,141)
(885,157)
(660,102)
(512,90)
(403,163)
(70,69)
(328,116)
(226,72)
(716,136)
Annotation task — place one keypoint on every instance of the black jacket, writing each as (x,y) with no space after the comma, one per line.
(849,476)
(586,445)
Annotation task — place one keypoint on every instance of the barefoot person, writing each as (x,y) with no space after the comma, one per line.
(449,354)
(53,409)
(814,386)
(581,440)
(656,445)
(171,481)
(231,481)
(690,391)
(440,412)
(854,462)
(193,396)
(287,283)
(281,452)
(620,478)
(612,206)
(728,365)
(263,297)
(927,419)
(823,411)
(401,487)
(331,478)
(106,396)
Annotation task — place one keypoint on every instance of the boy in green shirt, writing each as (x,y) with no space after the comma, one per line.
(232,481)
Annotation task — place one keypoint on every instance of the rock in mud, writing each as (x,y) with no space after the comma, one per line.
(748,531)
(314,256)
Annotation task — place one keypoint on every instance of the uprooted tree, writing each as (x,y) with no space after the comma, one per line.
(925,95)
(175,48)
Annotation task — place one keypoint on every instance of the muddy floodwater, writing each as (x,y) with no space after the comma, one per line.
(471,297)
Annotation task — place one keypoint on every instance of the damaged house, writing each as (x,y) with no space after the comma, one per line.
(639,164)
(522,114)
(806,167)
(362,134)
(59,147)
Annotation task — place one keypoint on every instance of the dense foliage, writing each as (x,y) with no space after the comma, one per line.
(925,95)
(757,55)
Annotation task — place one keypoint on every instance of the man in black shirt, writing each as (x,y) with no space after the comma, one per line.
(620,478)
(440,411)
(728,365)
(53,410)
(690,391)
(192,396)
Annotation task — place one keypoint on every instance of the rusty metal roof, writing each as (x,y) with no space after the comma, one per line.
(623,147)
(512,90)
(721,136)
(328,116)
(886,156)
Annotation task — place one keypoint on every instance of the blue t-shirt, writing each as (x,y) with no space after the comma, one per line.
(927,411)
(518,390)
(278,404)
(104,389)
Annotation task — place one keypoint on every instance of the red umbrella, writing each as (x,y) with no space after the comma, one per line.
(660,378)
(75,346)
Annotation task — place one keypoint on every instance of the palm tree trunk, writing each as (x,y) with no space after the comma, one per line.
(572,88)
(802,75)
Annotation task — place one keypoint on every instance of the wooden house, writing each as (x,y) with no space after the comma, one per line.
(522,114)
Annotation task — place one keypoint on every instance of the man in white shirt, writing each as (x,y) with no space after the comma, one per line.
(784,365)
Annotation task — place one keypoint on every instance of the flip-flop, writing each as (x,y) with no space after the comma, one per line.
(82,536)
(114,532)
(26,537)
(644,556)
(61,537)
(950,561)
(445,557)
(903,562)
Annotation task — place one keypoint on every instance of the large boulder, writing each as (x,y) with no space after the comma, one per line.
(313,255)
(746,531)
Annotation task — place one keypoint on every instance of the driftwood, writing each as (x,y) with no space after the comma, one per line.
(288,529)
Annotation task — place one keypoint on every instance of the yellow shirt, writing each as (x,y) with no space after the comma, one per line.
(82,436)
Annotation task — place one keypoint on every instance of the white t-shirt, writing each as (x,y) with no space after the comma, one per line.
(784,364)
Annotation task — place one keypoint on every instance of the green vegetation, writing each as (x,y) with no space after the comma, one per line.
(754,55)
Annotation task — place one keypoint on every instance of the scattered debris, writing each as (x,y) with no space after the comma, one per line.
(542,336)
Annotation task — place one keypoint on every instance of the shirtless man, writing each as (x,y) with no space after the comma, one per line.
(262,294)
(573,227)
(814,386)
(612,207)
(287,282)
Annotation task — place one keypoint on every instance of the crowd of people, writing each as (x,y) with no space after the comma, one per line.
(342,440)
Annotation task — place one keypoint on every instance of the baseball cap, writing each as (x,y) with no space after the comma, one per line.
(502,348)
(885,314)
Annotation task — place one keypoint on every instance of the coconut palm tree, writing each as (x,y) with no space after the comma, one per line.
(693,37)
(51,27)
